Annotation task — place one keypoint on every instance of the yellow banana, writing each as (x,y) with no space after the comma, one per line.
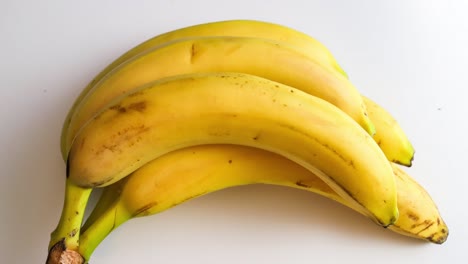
(242,28)
(420,217)
(240,109)
(389,135)
(187,173)
(232,108)
(261,57)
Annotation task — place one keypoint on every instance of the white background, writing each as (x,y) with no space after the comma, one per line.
(410,56)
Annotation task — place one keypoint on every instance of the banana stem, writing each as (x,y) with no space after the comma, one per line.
(74,206)
(65,238)
(101,227)
(68,229)
(109,195)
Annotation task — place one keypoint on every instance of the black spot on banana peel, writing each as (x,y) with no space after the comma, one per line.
(119,108)
(302,184)
(138,106)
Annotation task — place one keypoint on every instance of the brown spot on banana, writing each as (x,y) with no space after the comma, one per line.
(119,108)
(98,183)
(193,53)
(139,106)
(73,233)
(143,211)
(436,238)
(425,222)
(428,224)
(412,216)
(130,134)
(302,184)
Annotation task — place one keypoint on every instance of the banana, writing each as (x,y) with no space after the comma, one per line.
(239,109)
(389,135)
(395,145)
(242,28)
(231,108)
(191,172)
(261,57)
(420,217)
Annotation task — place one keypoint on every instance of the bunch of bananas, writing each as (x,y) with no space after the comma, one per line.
(224,104)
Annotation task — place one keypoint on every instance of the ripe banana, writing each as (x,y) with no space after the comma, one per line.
(389,136)
(239,109)
(232,108)
(265,58)
(241,28)
(191,172)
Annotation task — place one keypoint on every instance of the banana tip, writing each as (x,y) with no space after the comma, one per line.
(407,163)
(443,235)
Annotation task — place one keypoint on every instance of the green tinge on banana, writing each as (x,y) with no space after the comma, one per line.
(261,57)
(241,28)
(187,173)
(65,237)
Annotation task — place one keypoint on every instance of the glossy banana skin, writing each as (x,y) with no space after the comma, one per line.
(191,172)
(390,135)
(241,109)
(297,41)
(248,109)
(261,57)
(309,46)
